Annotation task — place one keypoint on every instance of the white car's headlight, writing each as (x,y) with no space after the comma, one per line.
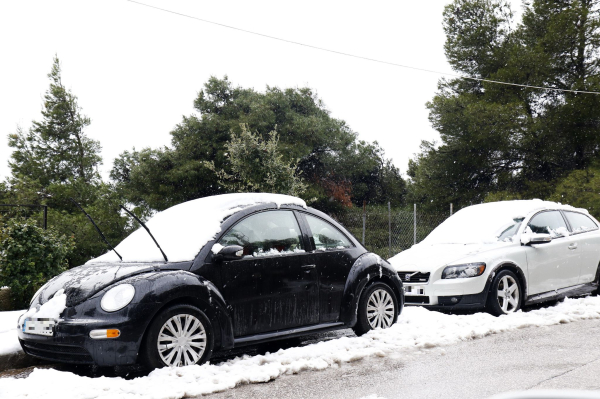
(464,271)
(117,297)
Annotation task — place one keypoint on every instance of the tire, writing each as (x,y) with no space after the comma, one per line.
(505,285)
(383,316)
(191,326)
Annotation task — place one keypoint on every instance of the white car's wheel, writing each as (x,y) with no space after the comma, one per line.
(505,294)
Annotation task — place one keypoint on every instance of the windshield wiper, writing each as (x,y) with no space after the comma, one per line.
(97,228)
(144,226)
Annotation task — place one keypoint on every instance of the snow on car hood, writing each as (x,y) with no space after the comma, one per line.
(184,229)
(428,258)
(82,282)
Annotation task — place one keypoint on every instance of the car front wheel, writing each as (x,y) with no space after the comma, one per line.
(505,294)
(377,308)
(179,336)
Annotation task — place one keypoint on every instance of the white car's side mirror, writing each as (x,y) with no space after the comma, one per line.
(535,238)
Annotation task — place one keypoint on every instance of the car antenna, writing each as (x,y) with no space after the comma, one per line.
(144,226)
(97,228)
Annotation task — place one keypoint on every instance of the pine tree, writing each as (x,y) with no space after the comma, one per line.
(56,149)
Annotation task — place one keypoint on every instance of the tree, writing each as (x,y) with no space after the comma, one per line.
(514,141)
(325,150)
(256,165)
(55,161)
(56,149)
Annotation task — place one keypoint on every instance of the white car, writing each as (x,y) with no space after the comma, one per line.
(500,256)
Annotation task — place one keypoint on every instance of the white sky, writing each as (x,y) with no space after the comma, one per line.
(137,70)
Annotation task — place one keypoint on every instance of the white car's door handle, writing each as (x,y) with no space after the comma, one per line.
(573,246)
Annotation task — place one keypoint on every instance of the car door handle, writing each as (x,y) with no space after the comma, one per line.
(309,266)
(573,246)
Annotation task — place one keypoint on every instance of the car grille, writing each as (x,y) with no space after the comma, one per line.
(416,299)
(413,278)
(62,353)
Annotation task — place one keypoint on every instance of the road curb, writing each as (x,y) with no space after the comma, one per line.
(18,360)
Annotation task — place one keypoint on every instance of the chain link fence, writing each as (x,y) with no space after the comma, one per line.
(387,231)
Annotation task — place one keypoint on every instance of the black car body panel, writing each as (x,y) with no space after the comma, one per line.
(247,300)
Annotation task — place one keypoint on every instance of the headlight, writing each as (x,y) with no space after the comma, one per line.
(37,293)
(117,297)
(464,271)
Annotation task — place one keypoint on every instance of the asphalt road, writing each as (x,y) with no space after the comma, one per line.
(559,357)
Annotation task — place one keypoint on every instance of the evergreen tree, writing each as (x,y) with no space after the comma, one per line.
(501,141)
(56,149)
(328,155)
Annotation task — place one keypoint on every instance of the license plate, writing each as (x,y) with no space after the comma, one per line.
(410,290)
(39,326)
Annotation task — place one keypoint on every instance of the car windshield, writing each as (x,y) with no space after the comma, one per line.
(485,223)
(184,229)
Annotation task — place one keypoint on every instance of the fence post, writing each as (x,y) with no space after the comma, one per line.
(451,209)
(389,230)
(364,221)
(415,224)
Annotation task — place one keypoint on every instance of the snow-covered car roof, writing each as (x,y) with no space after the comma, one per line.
(184,229)
(482,222)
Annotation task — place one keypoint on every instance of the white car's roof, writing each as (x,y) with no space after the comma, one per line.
(184,229)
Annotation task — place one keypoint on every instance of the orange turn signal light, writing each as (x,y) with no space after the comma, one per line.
(102,334)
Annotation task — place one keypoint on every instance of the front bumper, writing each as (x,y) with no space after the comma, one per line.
(467,293)
(71,342)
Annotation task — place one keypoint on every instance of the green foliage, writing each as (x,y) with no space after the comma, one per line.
(580,188)
(55,161)
(513,140)
(30,256)
(324,149)
(257,166)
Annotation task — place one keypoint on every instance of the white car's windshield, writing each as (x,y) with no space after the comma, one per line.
(485,223)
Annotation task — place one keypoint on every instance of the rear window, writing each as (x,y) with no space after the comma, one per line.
(580,223)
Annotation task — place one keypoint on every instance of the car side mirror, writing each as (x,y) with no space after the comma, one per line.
(230,252)
(535,238)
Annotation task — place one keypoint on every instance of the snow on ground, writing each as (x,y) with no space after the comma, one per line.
(417,329)
(9,342)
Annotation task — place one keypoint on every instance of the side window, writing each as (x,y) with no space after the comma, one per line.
(550,222)
(580,222)
(266,233)
(327,236)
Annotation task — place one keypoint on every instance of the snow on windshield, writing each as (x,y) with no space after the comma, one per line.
(182,230)
(487,223)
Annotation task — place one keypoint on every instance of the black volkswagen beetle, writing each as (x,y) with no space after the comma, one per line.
(227,271)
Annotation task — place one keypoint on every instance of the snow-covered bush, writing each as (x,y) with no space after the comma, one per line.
(30,256)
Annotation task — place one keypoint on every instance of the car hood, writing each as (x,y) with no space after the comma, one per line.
(428,258)
(82,282)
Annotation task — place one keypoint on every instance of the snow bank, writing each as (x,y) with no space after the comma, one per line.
(417,329)
(183,229)
(9,342)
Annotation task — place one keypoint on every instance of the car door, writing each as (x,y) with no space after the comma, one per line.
(551,265)
(586,237)
(334,256)
(275,285)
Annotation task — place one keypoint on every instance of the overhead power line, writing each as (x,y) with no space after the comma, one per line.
(360,57)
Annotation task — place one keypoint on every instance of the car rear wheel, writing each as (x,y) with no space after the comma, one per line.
(179,336)
(505,294)
(377,308)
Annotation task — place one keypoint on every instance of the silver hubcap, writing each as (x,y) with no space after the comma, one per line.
(380,309)
(508,294)
(181,341)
